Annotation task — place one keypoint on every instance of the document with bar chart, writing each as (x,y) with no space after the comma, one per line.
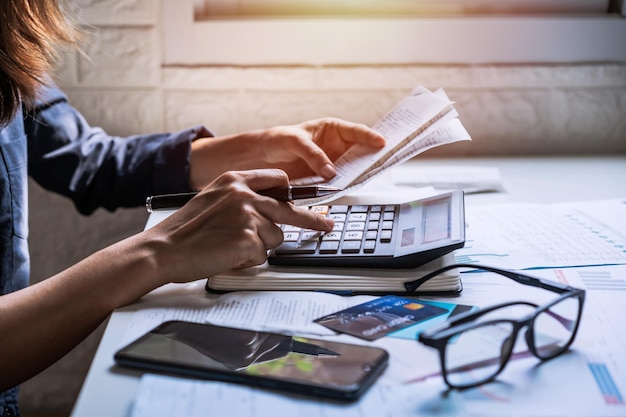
(588,381)
(527,236)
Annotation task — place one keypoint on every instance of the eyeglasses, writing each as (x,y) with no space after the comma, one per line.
(474,347)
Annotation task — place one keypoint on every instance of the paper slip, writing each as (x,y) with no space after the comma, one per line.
(420,121)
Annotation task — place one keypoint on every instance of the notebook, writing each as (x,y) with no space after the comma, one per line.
(349,281)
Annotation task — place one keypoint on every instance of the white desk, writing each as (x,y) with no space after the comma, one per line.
(543,180)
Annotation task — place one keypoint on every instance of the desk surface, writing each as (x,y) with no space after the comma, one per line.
(535,180)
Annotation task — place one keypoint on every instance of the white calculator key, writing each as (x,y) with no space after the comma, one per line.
(332,236)
(357,217)
(311,235)
(355,226)
(291,236)
(353,236)
(290,228)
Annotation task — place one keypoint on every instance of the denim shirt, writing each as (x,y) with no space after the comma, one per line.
(14,266)
(52,142)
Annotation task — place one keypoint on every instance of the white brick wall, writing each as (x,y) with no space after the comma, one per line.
(508,110)
(524,109)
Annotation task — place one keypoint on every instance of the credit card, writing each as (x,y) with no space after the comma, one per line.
(381,316)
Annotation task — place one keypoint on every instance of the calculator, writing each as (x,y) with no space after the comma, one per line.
(404,235)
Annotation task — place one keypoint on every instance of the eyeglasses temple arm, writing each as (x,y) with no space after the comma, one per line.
(412,286)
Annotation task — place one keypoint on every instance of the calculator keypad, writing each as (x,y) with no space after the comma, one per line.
(359,229)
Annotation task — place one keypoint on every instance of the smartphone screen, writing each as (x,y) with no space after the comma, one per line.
(308,366)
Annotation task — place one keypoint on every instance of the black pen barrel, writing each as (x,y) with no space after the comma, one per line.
(167,201)
(290,193)
(302,193)
(280,194)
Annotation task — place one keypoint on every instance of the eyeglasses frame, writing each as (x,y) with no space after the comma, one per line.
(439,336)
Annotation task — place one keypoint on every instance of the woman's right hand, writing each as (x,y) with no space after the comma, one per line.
(227,226)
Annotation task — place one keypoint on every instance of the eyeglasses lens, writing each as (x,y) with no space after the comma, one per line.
(476,355)
(553,329)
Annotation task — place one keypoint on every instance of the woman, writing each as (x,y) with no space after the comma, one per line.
(226,226)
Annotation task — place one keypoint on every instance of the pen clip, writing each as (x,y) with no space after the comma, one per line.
(149,204)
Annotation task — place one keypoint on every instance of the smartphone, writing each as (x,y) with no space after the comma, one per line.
(271,360)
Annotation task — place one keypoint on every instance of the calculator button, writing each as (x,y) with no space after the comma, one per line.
(291,236)
(371,235)
(338,227)
(351,246)
(290,228)
(357,217)
(338,217)
(306,247)
(389,215)
(375,216)
(372,226)
(311,235)
(385,236)
(320,209)
(390,208)
(387,225)
(353,236)
(369,246)
(359,209)
(330,246)
(339,209)
(355,226)
(376,209)
(331,236)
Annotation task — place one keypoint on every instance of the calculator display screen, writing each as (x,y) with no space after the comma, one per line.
(436,220)
(425,223)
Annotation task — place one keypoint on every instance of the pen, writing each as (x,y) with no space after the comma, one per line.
(289,193)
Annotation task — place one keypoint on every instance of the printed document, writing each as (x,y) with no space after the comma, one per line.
(520,236)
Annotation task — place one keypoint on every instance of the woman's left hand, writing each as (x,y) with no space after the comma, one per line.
(301,150)
(310,147)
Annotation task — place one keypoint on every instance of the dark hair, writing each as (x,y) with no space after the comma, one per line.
(29,34)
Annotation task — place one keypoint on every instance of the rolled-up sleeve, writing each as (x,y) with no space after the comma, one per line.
(68,156)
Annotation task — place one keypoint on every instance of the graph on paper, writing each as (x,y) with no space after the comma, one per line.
(523,236)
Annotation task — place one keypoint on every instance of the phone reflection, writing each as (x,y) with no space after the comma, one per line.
(238,349)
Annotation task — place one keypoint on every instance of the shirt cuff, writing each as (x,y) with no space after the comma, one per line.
(172,164)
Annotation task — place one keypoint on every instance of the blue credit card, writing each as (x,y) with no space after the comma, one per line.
(379,317)
(411,332)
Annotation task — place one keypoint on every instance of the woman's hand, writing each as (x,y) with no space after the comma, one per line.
(309,148)
(228,225)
